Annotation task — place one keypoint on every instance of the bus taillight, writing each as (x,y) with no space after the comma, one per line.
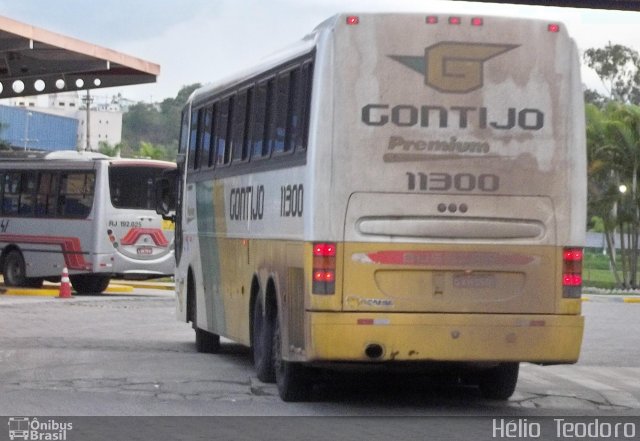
(572,272)
(324,268)
(353,20)
(553,27)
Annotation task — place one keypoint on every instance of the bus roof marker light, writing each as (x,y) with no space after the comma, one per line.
(353,20)
(477,21)
(455,20)
(553,27)
(431,19)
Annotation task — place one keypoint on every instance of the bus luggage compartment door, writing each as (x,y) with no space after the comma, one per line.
(415,253)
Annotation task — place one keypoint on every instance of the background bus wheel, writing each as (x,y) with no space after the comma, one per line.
(89,284)
(13,269)
(293,379)
(207,342)
(262,340)
(499,383)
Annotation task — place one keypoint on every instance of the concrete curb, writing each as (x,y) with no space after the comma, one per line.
(611,298)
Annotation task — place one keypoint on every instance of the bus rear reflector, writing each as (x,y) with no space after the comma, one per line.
(432,19)
(324,268)
(455,20)
(572,273)
(476,21)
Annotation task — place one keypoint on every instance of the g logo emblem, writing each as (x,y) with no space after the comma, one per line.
(452,66)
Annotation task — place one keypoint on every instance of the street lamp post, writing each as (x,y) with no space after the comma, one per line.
(27,117)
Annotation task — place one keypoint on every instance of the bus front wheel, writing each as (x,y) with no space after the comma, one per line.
(499,383)
(89,283)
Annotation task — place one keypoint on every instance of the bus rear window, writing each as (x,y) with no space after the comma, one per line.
(133,186)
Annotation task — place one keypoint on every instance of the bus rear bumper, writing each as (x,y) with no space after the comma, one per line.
(379,337)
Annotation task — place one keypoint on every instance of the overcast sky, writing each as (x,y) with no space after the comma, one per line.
(205,40)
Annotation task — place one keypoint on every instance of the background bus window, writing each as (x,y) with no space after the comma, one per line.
(11,193)
(47,194)
(27,193)
(76,195)
(133,187)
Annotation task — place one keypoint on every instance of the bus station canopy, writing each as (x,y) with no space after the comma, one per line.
(35,61)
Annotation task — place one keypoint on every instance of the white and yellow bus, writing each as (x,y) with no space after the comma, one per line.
(395,188)
(86,212)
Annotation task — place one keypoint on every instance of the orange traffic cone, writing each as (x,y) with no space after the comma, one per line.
(65,285)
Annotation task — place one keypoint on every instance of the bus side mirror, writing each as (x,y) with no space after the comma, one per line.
(165,194)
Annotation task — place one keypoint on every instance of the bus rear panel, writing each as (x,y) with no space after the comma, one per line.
(455,181)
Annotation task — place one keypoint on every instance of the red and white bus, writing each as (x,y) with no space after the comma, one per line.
(87,212)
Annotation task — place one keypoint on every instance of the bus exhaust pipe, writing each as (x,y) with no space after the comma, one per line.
(373,351)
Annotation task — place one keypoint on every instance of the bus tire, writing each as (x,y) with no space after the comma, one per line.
(89,283)
(499,383)
(14,269)
(262,344)
(293,379)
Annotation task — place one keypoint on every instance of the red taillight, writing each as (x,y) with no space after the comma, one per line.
(353,20)
(324,268)
(477,21)
(324,249)
(572,280)
(455,20)
(573,254)
(432,19)
(572,272)
(324,276)
(553,27)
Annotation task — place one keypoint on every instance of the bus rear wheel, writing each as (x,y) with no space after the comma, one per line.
(499,383)
(262,344)
(293,379)
(89,283)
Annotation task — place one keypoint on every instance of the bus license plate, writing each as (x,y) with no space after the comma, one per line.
(145,251)
(474,280)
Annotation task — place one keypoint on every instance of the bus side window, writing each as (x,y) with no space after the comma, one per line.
(193,138)
(240,127)
(280,118)
(46,195)
(11,193)
(76,196)
(184,133)
(258,118)
(295,116)
(220,138)
(27,193)
(206,137)
(305,106)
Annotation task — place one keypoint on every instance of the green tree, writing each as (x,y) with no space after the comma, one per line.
(618,67)
(156,125)
(613,145)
